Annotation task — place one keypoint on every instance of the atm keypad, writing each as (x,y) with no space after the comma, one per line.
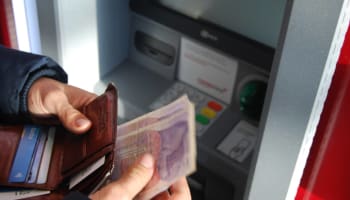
(207,108)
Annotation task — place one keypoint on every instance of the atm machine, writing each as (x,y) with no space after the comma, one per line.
(220,54)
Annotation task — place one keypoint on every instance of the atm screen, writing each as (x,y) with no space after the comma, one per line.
(257,20)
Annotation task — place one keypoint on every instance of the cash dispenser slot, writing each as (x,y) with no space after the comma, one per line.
(154,48)
(206,185)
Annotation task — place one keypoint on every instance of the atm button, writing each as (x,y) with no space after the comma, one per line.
(208,112)
(202,119)
(215,106)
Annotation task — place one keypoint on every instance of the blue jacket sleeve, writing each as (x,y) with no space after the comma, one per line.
(18,71)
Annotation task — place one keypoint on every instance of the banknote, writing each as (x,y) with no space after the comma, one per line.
(169,135)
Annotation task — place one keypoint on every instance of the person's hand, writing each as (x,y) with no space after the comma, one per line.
(130,183)
(178,191)
(135,179)
(49,97)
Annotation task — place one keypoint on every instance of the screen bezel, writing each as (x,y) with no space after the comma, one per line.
(229,42)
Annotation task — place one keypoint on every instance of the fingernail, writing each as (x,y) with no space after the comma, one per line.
(147,161)
(81,122)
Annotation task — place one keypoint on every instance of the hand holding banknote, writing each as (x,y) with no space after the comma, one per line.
(168,135)
(49,97)
(135,179)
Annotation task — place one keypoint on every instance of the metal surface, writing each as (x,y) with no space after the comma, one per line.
(303,67)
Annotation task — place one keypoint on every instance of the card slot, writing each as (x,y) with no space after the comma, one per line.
(56,177)
(53,173)
(84,187)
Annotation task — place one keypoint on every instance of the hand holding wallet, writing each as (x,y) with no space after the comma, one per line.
(70,153)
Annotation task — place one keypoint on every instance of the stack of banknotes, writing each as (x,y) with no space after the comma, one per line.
(169,135)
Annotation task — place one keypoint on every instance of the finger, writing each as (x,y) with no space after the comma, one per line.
(137,177)
(130,184)
(180,190)
(72,119)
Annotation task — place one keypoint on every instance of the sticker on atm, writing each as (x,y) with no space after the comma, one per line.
(207,70)
(240,142)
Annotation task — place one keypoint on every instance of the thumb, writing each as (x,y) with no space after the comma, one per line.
(131,182)
(72,119)
(137,177)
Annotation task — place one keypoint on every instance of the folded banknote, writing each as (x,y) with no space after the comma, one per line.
(169,135)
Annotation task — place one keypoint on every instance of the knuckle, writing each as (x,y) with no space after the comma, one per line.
(137,173)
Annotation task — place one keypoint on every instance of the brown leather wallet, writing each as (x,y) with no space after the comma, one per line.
(71,153)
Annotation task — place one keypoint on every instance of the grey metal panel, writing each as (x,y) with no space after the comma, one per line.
(137,86)
(33,26)
(47,28)
(303,67)
(113,32)
(113,20)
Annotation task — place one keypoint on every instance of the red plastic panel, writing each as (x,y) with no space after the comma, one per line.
(4,34)
(327,173)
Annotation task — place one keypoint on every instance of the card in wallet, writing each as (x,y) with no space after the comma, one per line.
(71,153)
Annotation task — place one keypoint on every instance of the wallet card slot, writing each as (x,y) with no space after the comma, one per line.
(10,137)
